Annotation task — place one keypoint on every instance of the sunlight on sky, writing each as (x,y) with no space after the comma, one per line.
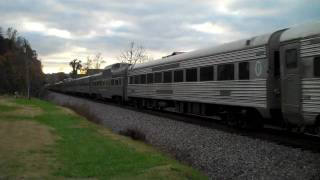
(38,27)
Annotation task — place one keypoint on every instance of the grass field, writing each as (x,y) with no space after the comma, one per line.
(39,140)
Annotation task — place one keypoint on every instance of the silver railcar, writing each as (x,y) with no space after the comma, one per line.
(275,75)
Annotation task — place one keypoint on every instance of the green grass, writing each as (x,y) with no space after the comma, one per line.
(82,149)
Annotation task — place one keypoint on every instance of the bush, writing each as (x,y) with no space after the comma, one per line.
(134,134)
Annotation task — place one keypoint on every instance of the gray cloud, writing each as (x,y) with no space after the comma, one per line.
(161,26)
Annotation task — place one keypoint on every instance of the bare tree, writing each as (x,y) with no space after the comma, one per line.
(97,61)
(76,65)
(86,66)
(134,54)
(94,62)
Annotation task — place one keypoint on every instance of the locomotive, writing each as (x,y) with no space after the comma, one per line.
(273,78)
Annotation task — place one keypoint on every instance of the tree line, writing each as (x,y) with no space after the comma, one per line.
(19,64)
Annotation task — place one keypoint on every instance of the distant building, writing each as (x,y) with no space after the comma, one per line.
(173,54)
(93,71)
(55,77)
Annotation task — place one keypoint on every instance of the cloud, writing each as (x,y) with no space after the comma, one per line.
(63,30)
(39,27)
(209,27)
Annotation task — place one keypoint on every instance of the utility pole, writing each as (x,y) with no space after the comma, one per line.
(27,72)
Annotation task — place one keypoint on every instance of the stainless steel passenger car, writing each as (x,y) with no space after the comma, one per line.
(111,83)
(275,76)
(272,75)
(300,74)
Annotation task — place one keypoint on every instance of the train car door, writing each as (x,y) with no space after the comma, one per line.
(291,82)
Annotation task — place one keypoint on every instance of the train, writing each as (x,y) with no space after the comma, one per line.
(272,78)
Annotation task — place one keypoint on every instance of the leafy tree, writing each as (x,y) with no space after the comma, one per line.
(16,57)
(76,65)
(12,36)
(1,33)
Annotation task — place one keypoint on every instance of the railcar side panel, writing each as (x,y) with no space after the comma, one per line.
(310,52)
(248,93)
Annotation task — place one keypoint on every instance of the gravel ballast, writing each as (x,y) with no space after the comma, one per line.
(219,154)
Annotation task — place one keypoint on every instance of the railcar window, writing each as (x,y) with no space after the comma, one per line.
(120,81)
(226,72)
(142,79)
(136,79)
(206,73)
(116,82)
(158,77)
(191,74)
(316,66)
(112,82)
(244,72)
(178,76)
(131,80)
(291,58)
(149,78)
(167,77)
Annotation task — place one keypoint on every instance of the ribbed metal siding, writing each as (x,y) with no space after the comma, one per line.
(308,48)
(242,93)
(108,92)
(252,93)
(310,86)
(236,56)
(310,98)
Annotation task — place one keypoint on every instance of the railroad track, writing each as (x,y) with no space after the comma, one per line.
(268,133)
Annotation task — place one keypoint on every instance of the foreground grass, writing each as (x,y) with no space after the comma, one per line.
(42,141)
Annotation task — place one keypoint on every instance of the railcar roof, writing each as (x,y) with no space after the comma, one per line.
(301,31)
(80,78)
(236,45)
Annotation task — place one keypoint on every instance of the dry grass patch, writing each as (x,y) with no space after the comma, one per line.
(23,144)
(6,100)
(26,111)
(10,108)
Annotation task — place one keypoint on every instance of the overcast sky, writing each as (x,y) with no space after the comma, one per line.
(61,30)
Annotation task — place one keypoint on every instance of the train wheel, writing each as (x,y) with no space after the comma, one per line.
(243,123)
(231,120)
(254,119)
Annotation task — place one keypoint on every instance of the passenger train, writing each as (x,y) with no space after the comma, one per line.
(274,77)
